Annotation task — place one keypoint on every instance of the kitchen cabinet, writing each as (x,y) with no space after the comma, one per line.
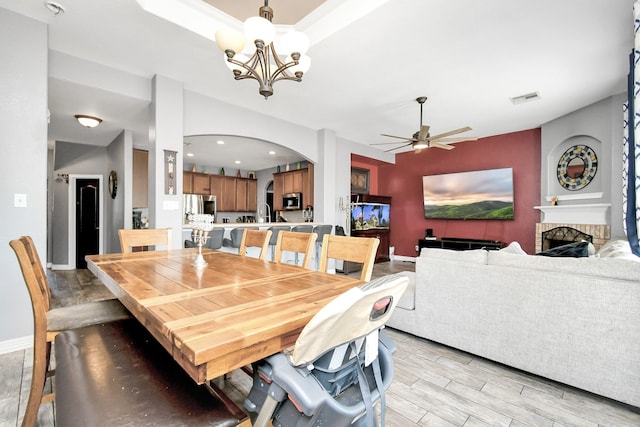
(140,194)
(296,181)
(278,191)
(232,194)
(187,182)
(227,200)
(201,183)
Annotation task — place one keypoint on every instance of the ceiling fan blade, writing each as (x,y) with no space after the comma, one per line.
(387,143)
(456,139)
(451,132)
(396,148)
(438,145)
(424,133)
(399,137)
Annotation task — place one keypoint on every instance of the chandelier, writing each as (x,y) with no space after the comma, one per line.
(265,63)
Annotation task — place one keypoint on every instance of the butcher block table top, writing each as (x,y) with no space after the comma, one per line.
(235,311)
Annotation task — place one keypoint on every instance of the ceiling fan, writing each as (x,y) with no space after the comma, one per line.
(422,138)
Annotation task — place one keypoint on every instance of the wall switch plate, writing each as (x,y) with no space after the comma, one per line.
(19,200)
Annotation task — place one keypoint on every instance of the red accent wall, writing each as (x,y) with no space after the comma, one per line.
(403,182)
(360,162)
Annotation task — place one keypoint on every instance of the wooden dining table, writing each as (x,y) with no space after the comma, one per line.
(235,311)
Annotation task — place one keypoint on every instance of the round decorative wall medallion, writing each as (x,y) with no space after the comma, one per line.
(577,167)
(113,184)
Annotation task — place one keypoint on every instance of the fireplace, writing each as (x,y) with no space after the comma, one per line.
(559,236)
(599,234)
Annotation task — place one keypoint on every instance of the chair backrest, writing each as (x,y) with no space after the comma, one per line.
(215,238)
(145,237)
(41,276)
(236,235)
(255,239)
(302,228)
(275,232)
(295,242)
(321,230)
(31,272)
(347,248)
(349,317)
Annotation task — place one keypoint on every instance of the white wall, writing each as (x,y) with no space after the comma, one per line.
(600,126)
(23,126)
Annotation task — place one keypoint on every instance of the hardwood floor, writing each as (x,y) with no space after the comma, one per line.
(434,385)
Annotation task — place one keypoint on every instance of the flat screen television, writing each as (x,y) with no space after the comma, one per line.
(367,216)
(486,194)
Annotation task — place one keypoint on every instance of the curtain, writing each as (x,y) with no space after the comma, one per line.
(631,152)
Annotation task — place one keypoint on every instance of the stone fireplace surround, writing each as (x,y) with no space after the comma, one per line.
(601,233)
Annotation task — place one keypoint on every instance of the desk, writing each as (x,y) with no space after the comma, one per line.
(236,311)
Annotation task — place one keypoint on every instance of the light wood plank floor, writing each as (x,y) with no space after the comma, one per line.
(434,385)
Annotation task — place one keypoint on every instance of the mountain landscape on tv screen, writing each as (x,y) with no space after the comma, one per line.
(488,209)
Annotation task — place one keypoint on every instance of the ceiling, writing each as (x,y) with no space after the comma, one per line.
(370,60)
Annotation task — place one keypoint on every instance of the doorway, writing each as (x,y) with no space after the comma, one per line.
(87,220)
(269,201)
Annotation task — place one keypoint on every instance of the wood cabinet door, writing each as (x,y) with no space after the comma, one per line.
(288,182)
(278,190)
(228,197)
(241,195)
(307,188)
(187,182)
(216,183)
(201,184)
(297,181)
(252,195)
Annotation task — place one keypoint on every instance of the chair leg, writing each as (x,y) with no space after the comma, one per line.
(38,378)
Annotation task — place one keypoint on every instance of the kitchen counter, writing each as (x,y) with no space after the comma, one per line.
(260,225)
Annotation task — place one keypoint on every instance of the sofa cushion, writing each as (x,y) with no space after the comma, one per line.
(610,268)
(475,256)
(514,248)
(617,248)
(408,299)
(574,250)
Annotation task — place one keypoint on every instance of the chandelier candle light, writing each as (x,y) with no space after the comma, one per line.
(264,64)
(201,225)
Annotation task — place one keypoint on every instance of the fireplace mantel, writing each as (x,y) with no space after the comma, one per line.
(595,213)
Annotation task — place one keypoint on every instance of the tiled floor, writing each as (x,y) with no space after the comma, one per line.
(434,385)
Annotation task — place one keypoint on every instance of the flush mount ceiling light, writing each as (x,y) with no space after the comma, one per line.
(88,121)
(265,63)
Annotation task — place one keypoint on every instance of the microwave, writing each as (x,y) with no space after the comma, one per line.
(292,201)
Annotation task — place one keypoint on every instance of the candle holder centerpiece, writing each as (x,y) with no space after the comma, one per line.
(201,225)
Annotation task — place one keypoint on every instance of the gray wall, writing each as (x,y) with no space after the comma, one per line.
(600,126)
(119,159)
(23,127)
(70,159)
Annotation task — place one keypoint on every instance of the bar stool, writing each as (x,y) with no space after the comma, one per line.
(301,229)
(216,236)
(235,238)
(321,230)
(275,230)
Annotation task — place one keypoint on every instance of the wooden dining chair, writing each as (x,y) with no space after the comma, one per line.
(255,239)
(143,238)
(295,242)
(49,322)
(348,248)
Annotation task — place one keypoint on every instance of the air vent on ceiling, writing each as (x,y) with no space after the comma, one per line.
(533,96)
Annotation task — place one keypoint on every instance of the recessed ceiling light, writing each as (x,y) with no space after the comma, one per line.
(219,142)
(189,154)
(237,162)
(54,7)
(88,121)
(272,152)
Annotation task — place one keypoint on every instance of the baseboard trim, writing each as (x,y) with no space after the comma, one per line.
(62,267)
(404,258)
(16,344)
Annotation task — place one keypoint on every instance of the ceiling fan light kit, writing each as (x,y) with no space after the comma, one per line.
(264,64)
(422,139)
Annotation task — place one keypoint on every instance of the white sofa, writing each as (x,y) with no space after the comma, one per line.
(573,320)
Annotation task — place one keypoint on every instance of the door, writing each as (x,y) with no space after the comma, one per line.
(87,220)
